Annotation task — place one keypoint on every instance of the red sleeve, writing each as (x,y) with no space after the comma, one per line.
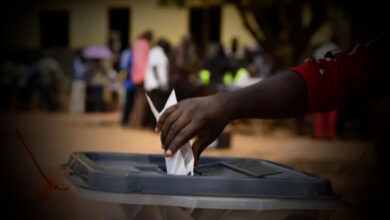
(339,78)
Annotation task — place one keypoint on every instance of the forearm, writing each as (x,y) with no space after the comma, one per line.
(281,96)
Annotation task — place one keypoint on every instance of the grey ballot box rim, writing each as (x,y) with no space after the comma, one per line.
(144,174)
(200,202)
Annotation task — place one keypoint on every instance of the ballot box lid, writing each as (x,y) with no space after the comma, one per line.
(214,176)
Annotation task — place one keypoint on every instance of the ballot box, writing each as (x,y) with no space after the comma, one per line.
(136,186)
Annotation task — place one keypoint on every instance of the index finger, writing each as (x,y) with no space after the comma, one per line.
(164,116)
(185,135)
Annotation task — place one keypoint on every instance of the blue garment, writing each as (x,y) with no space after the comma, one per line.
(78,69)
(125,63)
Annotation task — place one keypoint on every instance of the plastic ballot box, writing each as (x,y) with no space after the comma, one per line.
(136,186)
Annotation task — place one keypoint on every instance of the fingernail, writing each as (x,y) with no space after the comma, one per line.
(168,153)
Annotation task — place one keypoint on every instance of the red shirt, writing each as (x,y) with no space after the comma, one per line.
(342,78)
(140,61)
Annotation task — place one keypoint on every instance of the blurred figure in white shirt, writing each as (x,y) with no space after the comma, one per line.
(157,73)
(156,82)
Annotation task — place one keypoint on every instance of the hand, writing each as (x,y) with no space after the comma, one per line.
(203,118)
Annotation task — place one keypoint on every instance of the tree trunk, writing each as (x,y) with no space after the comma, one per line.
(286,39)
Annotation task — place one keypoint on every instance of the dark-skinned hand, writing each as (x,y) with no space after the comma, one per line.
(202,118)
(281,96)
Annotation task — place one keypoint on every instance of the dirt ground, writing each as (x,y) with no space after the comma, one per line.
(52,137)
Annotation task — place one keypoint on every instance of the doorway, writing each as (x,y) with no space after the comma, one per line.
(54,29)
(205,26)
(119,21)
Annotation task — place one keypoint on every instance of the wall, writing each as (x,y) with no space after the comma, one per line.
(232,26)
(88,22)
(19,27)
(170,22)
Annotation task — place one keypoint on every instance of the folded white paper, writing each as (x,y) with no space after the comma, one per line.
(182,162)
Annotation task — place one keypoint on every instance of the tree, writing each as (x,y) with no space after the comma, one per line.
(279,26)
(286,35)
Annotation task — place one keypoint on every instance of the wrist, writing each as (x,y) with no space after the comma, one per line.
(227,104)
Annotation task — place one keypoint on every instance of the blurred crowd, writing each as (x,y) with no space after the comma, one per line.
(21,80)
(157,68)
(109,77)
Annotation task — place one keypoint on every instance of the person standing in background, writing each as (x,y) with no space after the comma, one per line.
(115,46)
(156,79)
(97,67)
(141,49)
(125,63)
(325,123)
(78,85)
(218,64)
(96,77)
(184,60)
(49,71)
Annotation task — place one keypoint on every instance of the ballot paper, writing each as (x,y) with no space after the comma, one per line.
(182,162)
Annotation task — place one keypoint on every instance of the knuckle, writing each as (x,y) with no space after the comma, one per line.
(169,120)
(172,108)
(179,139)
(182,135)
(175,145)
(174,128)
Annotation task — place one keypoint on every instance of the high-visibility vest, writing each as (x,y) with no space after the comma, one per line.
(204,76)
(241,74)
(228,78)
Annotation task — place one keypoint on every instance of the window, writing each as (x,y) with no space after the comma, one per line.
(54,28)
(205,25)
(119,21)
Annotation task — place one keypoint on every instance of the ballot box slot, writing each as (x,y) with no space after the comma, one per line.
(236,168)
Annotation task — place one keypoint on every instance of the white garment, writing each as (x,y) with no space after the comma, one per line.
(156,59)
(321,51)
(113,77)
(247,81)
(77,104)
